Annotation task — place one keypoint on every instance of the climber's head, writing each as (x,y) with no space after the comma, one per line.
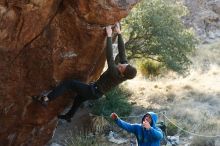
(147,117)
(151,117)
(127,71)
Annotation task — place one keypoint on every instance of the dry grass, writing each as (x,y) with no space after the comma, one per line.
(194,109)
(99,124)
(192,101)
(201,141)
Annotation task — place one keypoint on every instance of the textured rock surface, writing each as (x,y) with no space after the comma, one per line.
(205,18)
(43,42)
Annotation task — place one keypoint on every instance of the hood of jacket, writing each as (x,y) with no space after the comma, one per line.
(154,118)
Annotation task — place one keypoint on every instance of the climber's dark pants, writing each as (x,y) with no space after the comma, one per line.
(84,92)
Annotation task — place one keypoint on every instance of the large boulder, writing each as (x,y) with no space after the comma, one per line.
(43,42)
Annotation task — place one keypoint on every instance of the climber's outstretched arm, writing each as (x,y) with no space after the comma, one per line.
(121,45)
(109,52)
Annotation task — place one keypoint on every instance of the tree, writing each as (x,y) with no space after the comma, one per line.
(154,30)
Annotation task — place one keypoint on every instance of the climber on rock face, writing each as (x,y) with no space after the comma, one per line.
(113,76)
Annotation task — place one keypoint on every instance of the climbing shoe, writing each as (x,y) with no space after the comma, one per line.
(41,99)
(64,117)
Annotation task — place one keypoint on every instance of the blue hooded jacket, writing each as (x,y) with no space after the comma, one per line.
(144,137)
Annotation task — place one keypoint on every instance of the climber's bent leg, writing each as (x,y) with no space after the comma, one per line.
(89,92)
(76,104)
(79,87)
(73,85)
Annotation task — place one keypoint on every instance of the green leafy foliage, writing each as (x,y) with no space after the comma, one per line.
(115,101)
(154,29)
(149,67)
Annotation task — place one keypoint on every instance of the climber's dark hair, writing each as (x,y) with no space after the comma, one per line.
(130,72)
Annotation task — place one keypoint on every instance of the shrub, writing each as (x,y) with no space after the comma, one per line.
(154,30)
(149,67)
(171,129)
(99,125)
(115,101)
